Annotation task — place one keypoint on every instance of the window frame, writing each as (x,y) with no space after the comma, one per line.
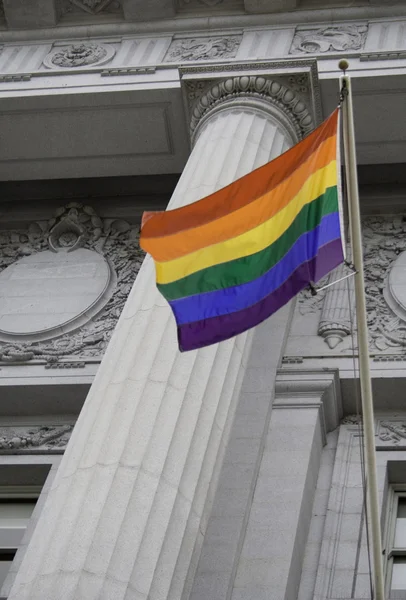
(395,491)
(15,494)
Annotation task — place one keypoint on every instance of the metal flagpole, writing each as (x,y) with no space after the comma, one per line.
(362,334)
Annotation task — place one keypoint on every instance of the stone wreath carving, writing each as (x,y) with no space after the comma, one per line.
(74,229)
(79,55)
(203,49)
(49,439)
(329,39)
(283,94)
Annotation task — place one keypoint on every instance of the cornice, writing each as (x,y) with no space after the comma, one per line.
(206,24)
(303,388)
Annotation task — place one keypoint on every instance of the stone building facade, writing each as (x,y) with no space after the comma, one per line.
(129,471)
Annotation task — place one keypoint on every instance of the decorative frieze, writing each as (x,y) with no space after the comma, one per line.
(384,271)
(79,55)
(337,38)
(204,48)
(47,439)
(392,433)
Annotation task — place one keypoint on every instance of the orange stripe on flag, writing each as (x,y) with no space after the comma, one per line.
(241,192)
(246,218)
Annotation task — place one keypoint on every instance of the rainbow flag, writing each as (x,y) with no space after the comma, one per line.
(229,261)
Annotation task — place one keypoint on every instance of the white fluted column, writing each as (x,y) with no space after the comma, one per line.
(126,514)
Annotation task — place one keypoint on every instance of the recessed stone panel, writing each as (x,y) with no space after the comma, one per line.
(52,292)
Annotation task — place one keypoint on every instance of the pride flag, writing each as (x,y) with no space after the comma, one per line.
(229,261)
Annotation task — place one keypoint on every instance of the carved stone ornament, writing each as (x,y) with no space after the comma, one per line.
(63,285)
(79,55)
(339,38)
(205,48)
(49,439)
(282,94)
(392,433)
(384,263)
(351,420)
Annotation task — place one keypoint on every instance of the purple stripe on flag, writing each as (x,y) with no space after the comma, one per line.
(237,298)
(217,329)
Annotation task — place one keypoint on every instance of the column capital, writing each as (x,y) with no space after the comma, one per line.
(289,92)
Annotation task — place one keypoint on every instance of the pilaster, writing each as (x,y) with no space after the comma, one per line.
(306,407)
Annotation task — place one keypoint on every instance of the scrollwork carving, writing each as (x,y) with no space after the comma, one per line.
(48,439)
(393,432)
(329,39)
(205,48)
(384,240)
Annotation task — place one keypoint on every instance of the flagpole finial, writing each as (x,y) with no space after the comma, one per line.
(343,65)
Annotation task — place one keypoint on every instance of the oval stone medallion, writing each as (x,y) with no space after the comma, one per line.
(47,294)
(395,289)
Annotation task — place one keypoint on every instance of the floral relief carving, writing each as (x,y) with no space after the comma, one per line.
(79,55)
(393,432)
(384,241)
(329,39)
(48,439)
(203,49)
(74,226)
